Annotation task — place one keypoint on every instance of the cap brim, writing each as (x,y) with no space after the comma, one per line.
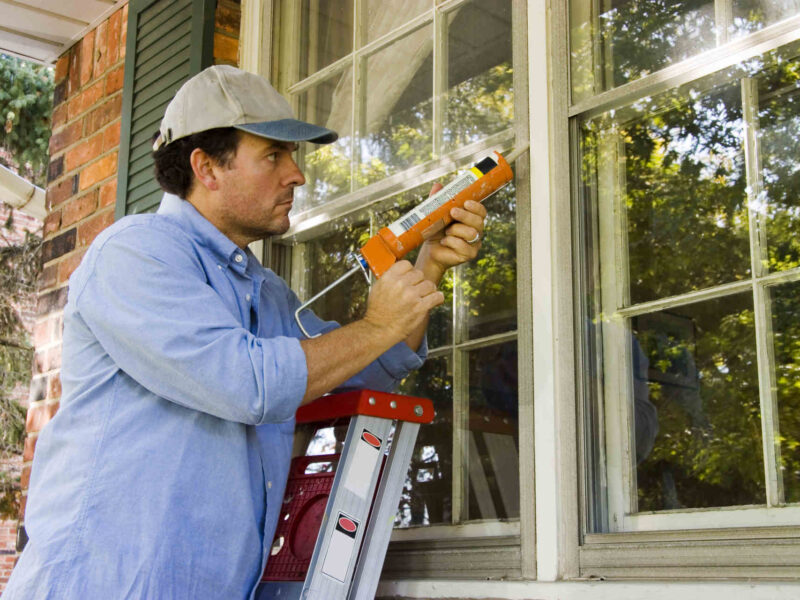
(291,130)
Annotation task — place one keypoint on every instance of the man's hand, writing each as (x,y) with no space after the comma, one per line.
(400,300)
(452,246)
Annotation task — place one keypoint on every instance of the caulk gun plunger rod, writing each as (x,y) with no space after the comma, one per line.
(305,305)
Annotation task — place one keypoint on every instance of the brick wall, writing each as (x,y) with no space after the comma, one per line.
(82,187)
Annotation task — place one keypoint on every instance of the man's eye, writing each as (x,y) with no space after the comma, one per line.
(272,156)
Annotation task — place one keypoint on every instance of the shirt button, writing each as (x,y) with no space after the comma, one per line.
(269,485)
(247,297)
(238,258)
(219,267)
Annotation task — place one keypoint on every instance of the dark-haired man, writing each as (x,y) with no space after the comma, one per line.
(162,474)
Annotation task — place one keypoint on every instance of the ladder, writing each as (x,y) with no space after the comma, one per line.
(360,499)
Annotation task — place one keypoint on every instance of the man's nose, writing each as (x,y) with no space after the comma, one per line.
(294,176)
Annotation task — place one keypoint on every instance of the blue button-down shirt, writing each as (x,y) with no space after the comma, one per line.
(163,472)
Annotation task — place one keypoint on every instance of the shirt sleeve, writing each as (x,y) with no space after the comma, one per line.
(161,323)
(383,374)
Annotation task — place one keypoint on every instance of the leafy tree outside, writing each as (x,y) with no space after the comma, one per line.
(26,101)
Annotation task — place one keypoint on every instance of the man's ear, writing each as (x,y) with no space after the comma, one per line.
(204,169)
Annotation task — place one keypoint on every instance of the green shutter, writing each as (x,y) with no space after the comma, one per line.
(168,42)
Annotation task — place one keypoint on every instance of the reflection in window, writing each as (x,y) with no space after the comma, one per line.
(752,15)
(480,99)
(489,284)
(696,406)
(786,342)
(327,166)
(632,38)
(397,132)
(327,31)
(328,259)
(383,16)
(426,498)
(493,438)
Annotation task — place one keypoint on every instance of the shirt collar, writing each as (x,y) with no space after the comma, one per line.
(205,232)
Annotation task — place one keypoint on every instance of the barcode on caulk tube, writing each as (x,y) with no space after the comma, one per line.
(443,196)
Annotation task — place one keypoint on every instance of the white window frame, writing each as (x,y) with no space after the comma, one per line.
(513,540)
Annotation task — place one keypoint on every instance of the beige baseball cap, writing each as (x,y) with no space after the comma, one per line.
(224,96)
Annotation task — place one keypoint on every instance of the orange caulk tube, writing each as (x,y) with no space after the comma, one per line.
(427,219)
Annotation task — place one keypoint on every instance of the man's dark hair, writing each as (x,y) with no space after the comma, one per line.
(172,167)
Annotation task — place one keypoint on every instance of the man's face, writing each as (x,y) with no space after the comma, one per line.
(257,188)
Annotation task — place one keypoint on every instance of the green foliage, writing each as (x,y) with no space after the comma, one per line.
(26,104)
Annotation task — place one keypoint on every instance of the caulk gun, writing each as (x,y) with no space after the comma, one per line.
(427,219)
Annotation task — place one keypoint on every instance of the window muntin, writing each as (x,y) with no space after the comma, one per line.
(695,369)
(397,124)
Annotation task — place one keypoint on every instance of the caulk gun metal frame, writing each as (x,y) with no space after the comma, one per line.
(360,266)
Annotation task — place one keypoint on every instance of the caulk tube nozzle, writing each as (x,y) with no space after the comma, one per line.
(516,153)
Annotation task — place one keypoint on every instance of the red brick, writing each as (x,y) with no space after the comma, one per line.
(25,479)
(78,209)
(39,415)
(30,446)
(103,114)
(99,170)
(100,50)
(54,358)
(52,222)
(54,387)
(23,502)
(114,27)
(115,79)
(67,266)
(123,36)
(84,153)
(58,193)
(59,116)
(91,229)
(108,193)
(62,67)
(86,99)
(87,57)
(111,136)
(65,137)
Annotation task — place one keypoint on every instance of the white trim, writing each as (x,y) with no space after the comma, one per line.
(482,529)
(705,518)
(596,590)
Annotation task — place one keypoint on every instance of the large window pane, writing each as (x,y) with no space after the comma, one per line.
(327,33)
(397,128)
(752,15)
(326,167)
(480,96)
(696,406)
(786,340)
(426,498)
(672,170)
(489,284)
(493,437)
(632,38)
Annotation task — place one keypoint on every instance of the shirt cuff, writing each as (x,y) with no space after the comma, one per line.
(286,379)
(399,360)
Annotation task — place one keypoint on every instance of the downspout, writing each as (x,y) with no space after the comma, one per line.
(21,194)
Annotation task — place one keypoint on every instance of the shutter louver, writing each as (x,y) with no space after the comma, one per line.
(168,42)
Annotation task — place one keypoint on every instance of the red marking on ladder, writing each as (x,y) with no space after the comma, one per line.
(371,439)
(347,524)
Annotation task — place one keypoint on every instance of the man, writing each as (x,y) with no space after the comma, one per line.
(163,472)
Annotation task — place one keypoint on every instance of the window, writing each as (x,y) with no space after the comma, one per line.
(416,95)
(685,121)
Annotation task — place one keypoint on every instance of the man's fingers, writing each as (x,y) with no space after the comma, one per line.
(436,187)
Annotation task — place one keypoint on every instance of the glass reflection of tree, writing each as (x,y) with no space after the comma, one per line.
(426,497)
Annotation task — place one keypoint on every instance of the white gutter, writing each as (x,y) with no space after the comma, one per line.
(21,194)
